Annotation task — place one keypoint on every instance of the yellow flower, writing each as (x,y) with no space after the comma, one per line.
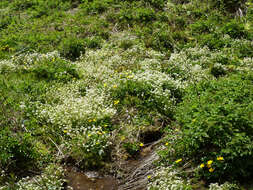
(116,102)
(149,176)
(123,138)
(90,120)
(166,144)
(141,144)
(89,135)
(179,160)
(115,86)
(220,158)
(65,131)
(210,162)
(211,170)
(105,85)
(202,165)
(94,120)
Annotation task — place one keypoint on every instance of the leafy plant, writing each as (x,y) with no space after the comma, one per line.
(139,95)
(89,150)
(17,151)
(235,29)
(72,48)
(131,148)
(229,5)
(55,69)
(218,122)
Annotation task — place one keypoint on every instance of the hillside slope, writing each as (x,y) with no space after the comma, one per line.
(92,84)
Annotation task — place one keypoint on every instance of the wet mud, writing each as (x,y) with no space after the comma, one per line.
(87,181)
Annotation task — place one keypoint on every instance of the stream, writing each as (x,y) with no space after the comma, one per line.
(134,177)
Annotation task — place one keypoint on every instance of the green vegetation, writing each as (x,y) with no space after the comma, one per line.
(216,120)
(83,81)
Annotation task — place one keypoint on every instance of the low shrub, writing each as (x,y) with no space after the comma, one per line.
(201,26)
(90,147)
(235,29)
(72,48)
(160,40)
(6,20)
(216,121)
(17,151)
(229,5)
(131,148)
(212,41)
(144,15)
(96,6)
(94,42)
(146,98)
(157,3)
(55,69)
(23,5)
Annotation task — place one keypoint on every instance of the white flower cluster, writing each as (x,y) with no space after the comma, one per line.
(225,186)
(167,179)
(158,80)
(85,140)
(188,65)
(103,69)
(52,179)
(31,58)
(72,107)
(26,61)
(7,66)
(247,64)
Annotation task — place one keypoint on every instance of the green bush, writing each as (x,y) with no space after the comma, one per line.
(126,44)
(216,120)
(125,16)
(56,69)
(6,20)
(243,49)
(23,4)
(217,70)
(160,40)
(140,95)
(201,26)
(39,8)
(228,5)
(90,149)
(17,151)
(95,42)
(131,148)
(72,48)
(96,6)
(235,29)
(180,1)
(212,41)
(157,3)
(144,15)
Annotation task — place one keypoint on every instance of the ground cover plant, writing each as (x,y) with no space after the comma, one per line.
(83,81)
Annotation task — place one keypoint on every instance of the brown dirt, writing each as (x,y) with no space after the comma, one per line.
(133,174)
